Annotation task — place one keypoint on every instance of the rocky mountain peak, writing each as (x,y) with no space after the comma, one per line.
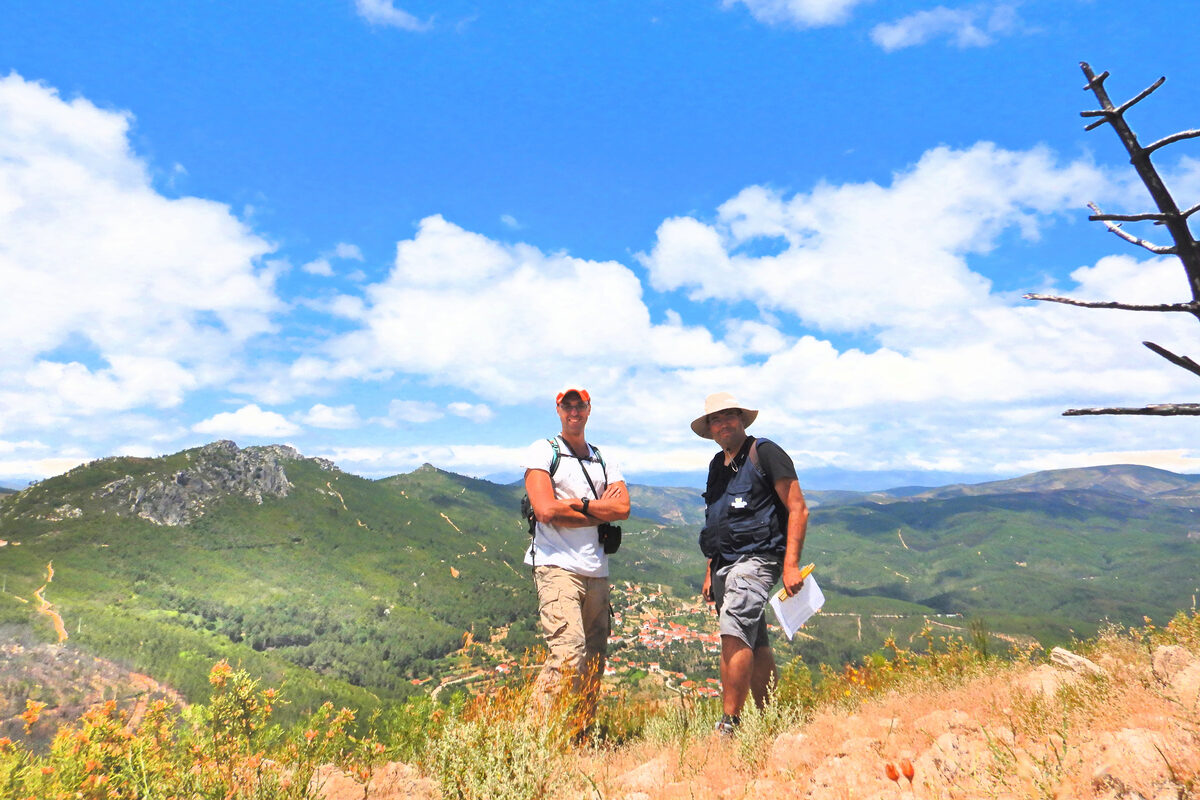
(216,470)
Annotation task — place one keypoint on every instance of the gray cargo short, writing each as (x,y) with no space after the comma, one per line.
(741,590)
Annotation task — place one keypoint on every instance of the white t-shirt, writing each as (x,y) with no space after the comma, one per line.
(575,549)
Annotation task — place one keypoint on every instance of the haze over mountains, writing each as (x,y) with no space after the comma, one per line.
(354,589)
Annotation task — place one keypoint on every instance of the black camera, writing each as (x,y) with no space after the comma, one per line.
(527,513)
(610,537)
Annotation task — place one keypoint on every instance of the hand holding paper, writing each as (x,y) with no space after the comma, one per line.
(792,612)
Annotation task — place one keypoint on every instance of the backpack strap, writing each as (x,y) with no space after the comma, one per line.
(558,457)
(603,466)
(752,457)
(591,449)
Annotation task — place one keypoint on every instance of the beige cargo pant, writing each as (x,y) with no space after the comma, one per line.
(574,613)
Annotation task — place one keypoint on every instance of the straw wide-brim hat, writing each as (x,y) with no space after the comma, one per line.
(719,402)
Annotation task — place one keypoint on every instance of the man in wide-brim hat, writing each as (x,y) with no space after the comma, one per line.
(754,525)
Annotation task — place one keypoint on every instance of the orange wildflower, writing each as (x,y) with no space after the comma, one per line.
(892,773)
(906,769)
(220,673)
(33,710)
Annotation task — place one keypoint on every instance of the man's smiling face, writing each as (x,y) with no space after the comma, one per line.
(727,428)
(573,411)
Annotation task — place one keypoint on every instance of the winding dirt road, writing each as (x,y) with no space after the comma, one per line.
(47,608)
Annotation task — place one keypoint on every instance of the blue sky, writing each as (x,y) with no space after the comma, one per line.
(387,231)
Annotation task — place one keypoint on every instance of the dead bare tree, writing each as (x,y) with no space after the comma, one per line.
(1186,249)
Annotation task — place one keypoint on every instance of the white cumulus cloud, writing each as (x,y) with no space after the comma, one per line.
(338,417)
(800,13)
(860,257)
(249,420)
(476,412)
(385,13)
(348,251)
(116,296)
(942,361)
(318,266)
(416,412)
(507,321)
(971,26)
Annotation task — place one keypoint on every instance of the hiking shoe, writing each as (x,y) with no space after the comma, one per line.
(728,725)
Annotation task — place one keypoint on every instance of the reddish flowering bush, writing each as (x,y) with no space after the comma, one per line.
(230,750)
(33,712)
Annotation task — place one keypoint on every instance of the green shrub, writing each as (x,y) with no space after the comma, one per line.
(502,747)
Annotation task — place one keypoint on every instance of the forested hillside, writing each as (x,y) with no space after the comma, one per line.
(329,580)
(363,591)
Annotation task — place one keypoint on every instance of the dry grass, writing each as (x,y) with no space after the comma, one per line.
(1005,730)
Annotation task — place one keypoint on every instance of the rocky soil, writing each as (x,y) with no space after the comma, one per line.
(1123,724)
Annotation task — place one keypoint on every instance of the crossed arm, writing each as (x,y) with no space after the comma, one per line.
(613,503)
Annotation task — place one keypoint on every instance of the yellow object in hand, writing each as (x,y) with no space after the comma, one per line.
(805,571)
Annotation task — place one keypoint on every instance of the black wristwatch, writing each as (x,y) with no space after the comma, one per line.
(585,505)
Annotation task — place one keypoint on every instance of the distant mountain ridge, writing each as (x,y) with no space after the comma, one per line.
(1124,480)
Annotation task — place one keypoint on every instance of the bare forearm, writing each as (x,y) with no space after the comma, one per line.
(609,510)
(566,514)
(610,506)
(796,529)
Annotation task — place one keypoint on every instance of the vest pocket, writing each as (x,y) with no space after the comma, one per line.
(747,532)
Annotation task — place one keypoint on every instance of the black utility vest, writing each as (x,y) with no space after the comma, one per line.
(748,519)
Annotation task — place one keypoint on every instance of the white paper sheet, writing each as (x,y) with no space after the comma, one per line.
(792,612)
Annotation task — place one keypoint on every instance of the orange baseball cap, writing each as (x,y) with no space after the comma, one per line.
(570,387)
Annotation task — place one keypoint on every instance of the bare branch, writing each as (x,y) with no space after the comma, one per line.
(1129,237)
(1126,217)
(1186,247)
(1182,217)
(1162,410)
(1190,307)
(1179,361)
(1093,80)
(1166,140)
(1145,93)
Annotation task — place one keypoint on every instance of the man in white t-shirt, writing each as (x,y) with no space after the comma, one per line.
(570,567)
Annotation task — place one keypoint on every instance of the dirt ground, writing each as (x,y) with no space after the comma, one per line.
(1121,726)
